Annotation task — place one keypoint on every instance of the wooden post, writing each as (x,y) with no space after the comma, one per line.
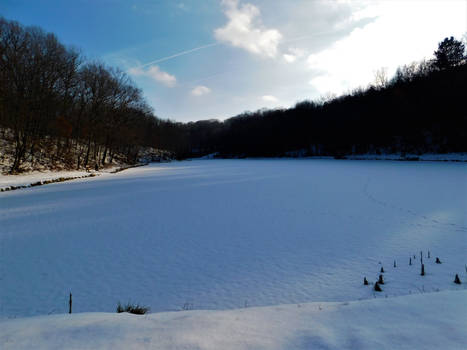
(70,303)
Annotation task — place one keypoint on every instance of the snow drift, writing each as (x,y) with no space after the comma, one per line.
(424,321)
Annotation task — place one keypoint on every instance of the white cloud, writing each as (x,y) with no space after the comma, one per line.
(200,90)
(402,33)
(289,58)
(270,99)
(293,54)
(244,30)
(155,73)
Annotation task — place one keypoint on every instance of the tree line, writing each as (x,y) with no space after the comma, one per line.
(55,103)
(421,109)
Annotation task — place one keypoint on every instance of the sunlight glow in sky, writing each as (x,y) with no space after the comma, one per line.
(202,59)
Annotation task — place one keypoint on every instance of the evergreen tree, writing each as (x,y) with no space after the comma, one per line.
(451,52)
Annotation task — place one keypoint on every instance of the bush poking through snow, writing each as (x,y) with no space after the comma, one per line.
(377,288)
(438,261)
(410,261)
(457,279)
(382,270)
(365,281)
(132,309)
(380,280)
(423,270)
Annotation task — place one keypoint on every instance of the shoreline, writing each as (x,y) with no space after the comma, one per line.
(50,177)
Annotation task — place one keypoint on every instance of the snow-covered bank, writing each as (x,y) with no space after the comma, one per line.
(36,176)
(431,157)
(423,321)
(33,178)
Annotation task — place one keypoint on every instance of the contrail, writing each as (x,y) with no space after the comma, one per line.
(178,54)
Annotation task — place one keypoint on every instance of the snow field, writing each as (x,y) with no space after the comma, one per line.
(222,234)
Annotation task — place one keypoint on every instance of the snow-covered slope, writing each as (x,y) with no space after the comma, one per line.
(424,321)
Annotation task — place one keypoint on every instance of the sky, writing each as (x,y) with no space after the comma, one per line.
(213,59)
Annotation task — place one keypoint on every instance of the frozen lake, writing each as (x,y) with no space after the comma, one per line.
(220,234)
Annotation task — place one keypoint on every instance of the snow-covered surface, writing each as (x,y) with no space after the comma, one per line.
(225,234)
(36,176)
(29,178)
(219,234)
(424,321)
(460,157)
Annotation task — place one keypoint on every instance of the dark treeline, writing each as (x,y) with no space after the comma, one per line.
(421,109)
(56,104)
(53,102)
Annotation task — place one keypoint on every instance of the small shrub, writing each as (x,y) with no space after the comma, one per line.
(132,308)
(377,288)
(187,306)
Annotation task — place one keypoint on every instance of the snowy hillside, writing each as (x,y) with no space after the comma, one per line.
(424,321)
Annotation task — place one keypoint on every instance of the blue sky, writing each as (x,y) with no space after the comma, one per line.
(217,58)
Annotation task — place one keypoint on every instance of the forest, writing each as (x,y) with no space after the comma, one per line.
(419,110)
(84,113)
